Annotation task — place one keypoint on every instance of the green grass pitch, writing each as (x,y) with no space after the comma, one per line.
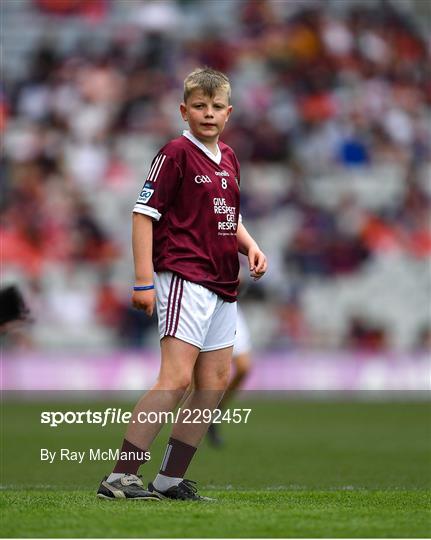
(298,468)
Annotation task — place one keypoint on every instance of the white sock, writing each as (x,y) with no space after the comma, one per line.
(115,476)
(163,483)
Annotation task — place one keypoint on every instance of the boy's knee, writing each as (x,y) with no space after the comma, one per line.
(183,383)
(217,380)
(222,378)
(180,382)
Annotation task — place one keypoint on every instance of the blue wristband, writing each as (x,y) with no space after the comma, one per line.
(144,288)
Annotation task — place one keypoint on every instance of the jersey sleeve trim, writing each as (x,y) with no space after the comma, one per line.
(140,208)
(155,168)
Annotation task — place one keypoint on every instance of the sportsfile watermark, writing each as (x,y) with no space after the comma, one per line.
(113,415)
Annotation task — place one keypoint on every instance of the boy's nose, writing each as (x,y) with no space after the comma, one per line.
(209,112)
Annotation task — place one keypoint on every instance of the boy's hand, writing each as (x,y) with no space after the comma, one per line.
(257,262)
(144,301)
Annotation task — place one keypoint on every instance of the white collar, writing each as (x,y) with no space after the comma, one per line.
(197,142)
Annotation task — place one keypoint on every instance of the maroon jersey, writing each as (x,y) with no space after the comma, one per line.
(195,204)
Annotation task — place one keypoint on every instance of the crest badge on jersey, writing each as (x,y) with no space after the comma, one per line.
(145,195)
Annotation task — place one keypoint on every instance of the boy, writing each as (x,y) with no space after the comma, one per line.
(186,239)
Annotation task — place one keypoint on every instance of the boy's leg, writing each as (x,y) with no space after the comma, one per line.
(178,359)
(211,377)
(241,368)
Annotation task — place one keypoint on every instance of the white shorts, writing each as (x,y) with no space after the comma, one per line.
(242,339)
(193,313)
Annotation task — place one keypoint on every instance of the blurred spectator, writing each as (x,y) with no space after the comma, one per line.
(292,330)
(364,335)
(93,9)
(423,343)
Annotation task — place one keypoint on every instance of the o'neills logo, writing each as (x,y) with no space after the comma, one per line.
(222,173)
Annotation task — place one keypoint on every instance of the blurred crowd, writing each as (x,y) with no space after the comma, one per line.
(317,88)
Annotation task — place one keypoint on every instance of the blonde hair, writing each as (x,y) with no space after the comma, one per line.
(208,80)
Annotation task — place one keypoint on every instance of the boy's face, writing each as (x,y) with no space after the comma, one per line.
(206,115)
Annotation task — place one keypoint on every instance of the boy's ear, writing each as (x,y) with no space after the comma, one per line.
(183,111)
(229,111)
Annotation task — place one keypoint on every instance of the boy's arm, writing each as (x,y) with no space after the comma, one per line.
(142,244)
(256,258)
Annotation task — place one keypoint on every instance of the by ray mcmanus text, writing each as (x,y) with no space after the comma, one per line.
(91,454)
